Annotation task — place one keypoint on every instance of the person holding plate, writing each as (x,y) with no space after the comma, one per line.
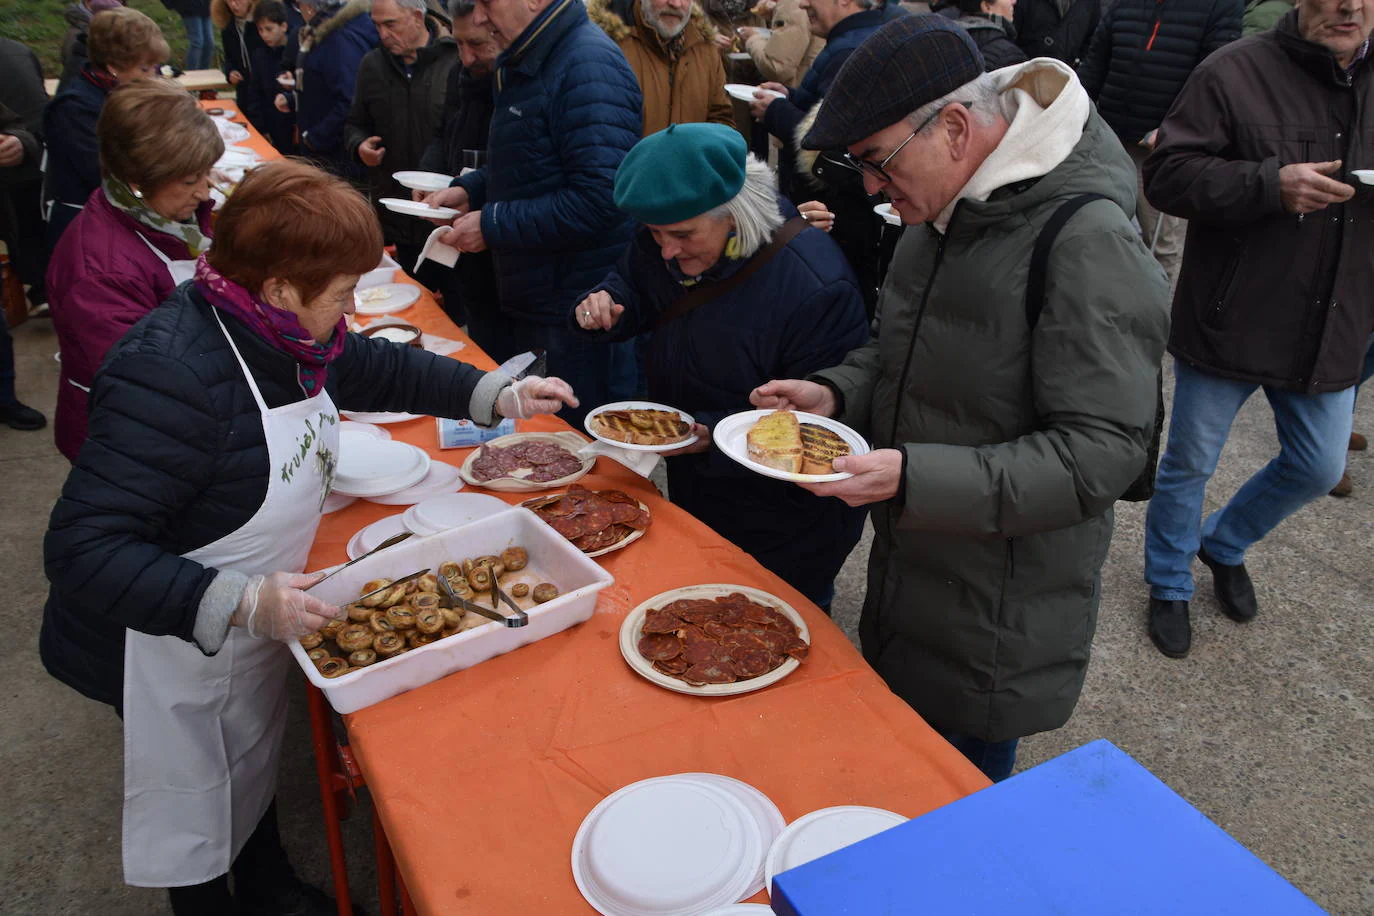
(735,293)
(176,550)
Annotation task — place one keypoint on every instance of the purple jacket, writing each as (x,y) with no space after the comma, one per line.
(102,279)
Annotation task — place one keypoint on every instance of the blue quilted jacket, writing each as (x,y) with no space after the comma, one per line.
(567,111)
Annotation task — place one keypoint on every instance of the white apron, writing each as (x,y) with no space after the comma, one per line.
(202,734)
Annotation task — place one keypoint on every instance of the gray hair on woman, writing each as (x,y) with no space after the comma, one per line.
(754,209)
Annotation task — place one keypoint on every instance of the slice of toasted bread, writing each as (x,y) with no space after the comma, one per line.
(642,426)
(820,448)
(775,441)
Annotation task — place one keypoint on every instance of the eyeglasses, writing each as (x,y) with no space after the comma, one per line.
(878,170)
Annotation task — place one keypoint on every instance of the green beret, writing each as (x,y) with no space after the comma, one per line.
(681,172)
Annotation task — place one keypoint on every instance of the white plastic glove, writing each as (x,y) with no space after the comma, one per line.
(534,395)
(274,607)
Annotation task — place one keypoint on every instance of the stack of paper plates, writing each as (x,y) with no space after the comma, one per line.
(442,478)
(450,510)
(375,467)
(372,536)
(674,846)
(822,832)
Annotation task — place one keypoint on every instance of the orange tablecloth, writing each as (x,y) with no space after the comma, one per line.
(482,779)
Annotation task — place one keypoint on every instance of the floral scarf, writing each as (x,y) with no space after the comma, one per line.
(122,198)
(279,327)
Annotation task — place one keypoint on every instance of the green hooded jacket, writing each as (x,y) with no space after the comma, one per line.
(983,586)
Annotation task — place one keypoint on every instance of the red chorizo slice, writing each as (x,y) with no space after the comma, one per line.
(698,651)
(661,620)
(639,521)
(797,648)
(659,647)
(700,615)
(673,666)
(776,641)
(617,496)
(752,663)
(717,629)
(709,674)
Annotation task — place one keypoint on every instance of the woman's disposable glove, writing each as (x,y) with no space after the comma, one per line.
(275,607)
(534,395)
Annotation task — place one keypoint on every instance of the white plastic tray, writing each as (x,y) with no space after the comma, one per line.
(577,577)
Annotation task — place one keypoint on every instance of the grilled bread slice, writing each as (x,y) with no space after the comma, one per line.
(820,448)
(775,441)
(642,426)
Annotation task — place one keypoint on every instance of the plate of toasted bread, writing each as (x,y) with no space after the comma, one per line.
(640,426)
(788,444)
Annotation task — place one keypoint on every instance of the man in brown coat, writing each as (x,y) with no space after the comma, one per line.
(670,46)
(1262,153)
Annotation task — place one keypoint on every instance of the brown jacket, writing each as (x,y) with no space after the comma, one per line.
(683,80)
(1264,296)
(785,55)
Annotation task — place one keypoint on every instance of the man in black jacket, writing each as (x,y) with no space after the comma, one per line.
(1275,290)
(21,188)
(1060,29)
(1136,66)
(277,26)
(459,143)
(396,106)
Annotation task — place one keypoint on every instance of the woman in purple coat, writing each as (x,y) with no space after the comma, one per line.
(137,237)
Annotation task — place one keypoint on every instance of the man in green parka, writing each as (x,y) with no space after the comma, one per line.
(1003,429)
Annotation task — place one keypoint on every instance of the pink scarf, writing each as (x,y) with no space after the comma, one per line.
(279,327)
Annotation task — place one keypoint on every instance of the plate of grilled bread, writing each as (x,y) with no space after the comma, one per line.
(788,444)
(641,426)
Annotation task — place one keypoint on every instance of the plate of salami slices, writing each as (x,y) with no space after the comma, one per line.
(714,640)
(595,521)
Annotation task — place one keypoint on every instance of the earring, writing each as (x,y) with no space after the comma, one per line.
(138,194)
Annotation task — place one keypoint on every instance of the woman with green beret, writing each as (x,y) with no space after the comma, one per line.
(737,289)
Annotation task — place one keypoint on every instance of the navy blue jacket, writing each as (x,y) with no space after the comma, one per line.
(328,75)
(801,312)
(175,460)
(73,153)
(279,127)
(567,110)
(1145,50)
(241,49)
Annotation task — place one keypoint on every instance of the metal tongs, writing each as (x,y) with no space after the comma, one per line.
(451,600)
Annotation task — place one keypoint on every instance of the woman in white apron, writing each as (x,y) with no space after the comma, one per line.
(137,237)
(176,551)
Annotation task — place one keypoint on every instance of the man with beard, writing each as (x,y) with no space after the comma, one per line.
(669,44)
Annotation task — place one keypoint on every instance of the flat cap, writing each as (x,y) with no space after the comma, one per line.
(907,63)
(681,172)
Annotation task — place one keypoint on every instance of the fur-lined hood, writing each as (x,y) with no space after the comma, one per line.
(617,18)
(312,35)
(220,15)
(806,158)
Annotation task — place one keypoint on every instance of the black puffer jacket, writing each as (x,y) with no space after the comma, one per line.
(1061,29)
(995,38)
(1143,53)
(175,460)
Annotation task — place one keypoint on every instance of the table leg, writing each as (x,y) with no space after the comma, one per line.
(407,907)
(329,778)
(386,867)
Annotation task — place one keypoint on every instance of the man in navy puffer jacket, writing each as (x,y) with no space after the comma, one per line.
(568,109)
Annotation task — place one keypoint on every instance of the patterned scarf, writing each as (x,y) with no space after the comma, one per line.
(102,79)
(122,198)
(279,327)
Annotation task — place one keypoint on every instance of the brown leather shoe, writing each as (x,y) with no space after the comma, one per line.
(1345,487)
(1358,443)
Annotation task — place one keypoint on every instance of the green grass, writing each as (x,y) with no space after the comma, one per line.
(39,24)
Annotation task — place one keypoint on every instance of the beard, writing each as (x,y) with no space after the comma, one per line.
(666,30)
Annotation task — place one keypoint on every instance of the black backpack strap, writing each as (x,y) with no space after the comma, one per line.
(1040,254)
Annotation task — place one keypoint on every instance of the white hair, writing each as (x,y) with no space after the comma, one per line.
(754,209)
(981,96)
(418,5)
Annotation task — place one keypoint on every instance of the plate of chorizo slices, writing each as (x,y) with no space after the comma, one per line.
(714,640)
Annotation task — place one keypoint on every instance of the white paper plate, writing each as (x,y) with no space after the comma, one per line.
(441,479)
(399,296)
(822,832)
(368,538)
(237,157)
(626,863)
(363,429)
(336,501)
(630,634)
(569,440)
(626,541)
(638,405)
(377,467)
(451,510)
(732,433)
(769,819)
(1364,175)
(415,208)
(362,416)
(745,93)
(742,909)
(889,214)
(738,55)
(423,181)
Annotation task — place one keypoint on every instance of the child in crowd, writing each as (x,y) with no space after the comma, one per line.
(277,28)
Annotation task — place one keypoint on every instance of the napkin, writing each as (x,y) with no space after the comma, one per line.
(437,251)
(642,463)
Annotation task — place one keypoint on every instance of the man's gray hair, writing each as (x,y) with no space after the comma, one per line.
(754,209)
(981,96)
(418,5)
(461,9)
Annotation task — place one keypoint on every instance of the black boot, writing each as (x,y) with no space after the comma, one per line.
(209,899)
(1170,629)
(1233,589)
(20,416)
(265,884)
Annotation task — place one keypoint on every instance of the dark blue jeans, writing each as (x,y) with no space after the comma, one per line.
(994,758)
(200,42)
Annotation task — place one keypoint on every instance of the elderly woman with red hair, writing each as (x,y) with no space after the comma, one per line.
(176,549)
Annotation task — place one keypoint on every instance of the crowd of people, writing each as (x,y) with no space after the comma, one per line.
(1081,186)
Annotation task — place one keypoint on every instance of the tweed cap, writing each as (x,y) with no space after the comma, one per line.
(907,63)
(681,172)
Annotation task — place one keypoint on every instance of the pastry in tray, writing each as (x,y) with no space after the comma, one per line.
(642,426)
(778,440)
